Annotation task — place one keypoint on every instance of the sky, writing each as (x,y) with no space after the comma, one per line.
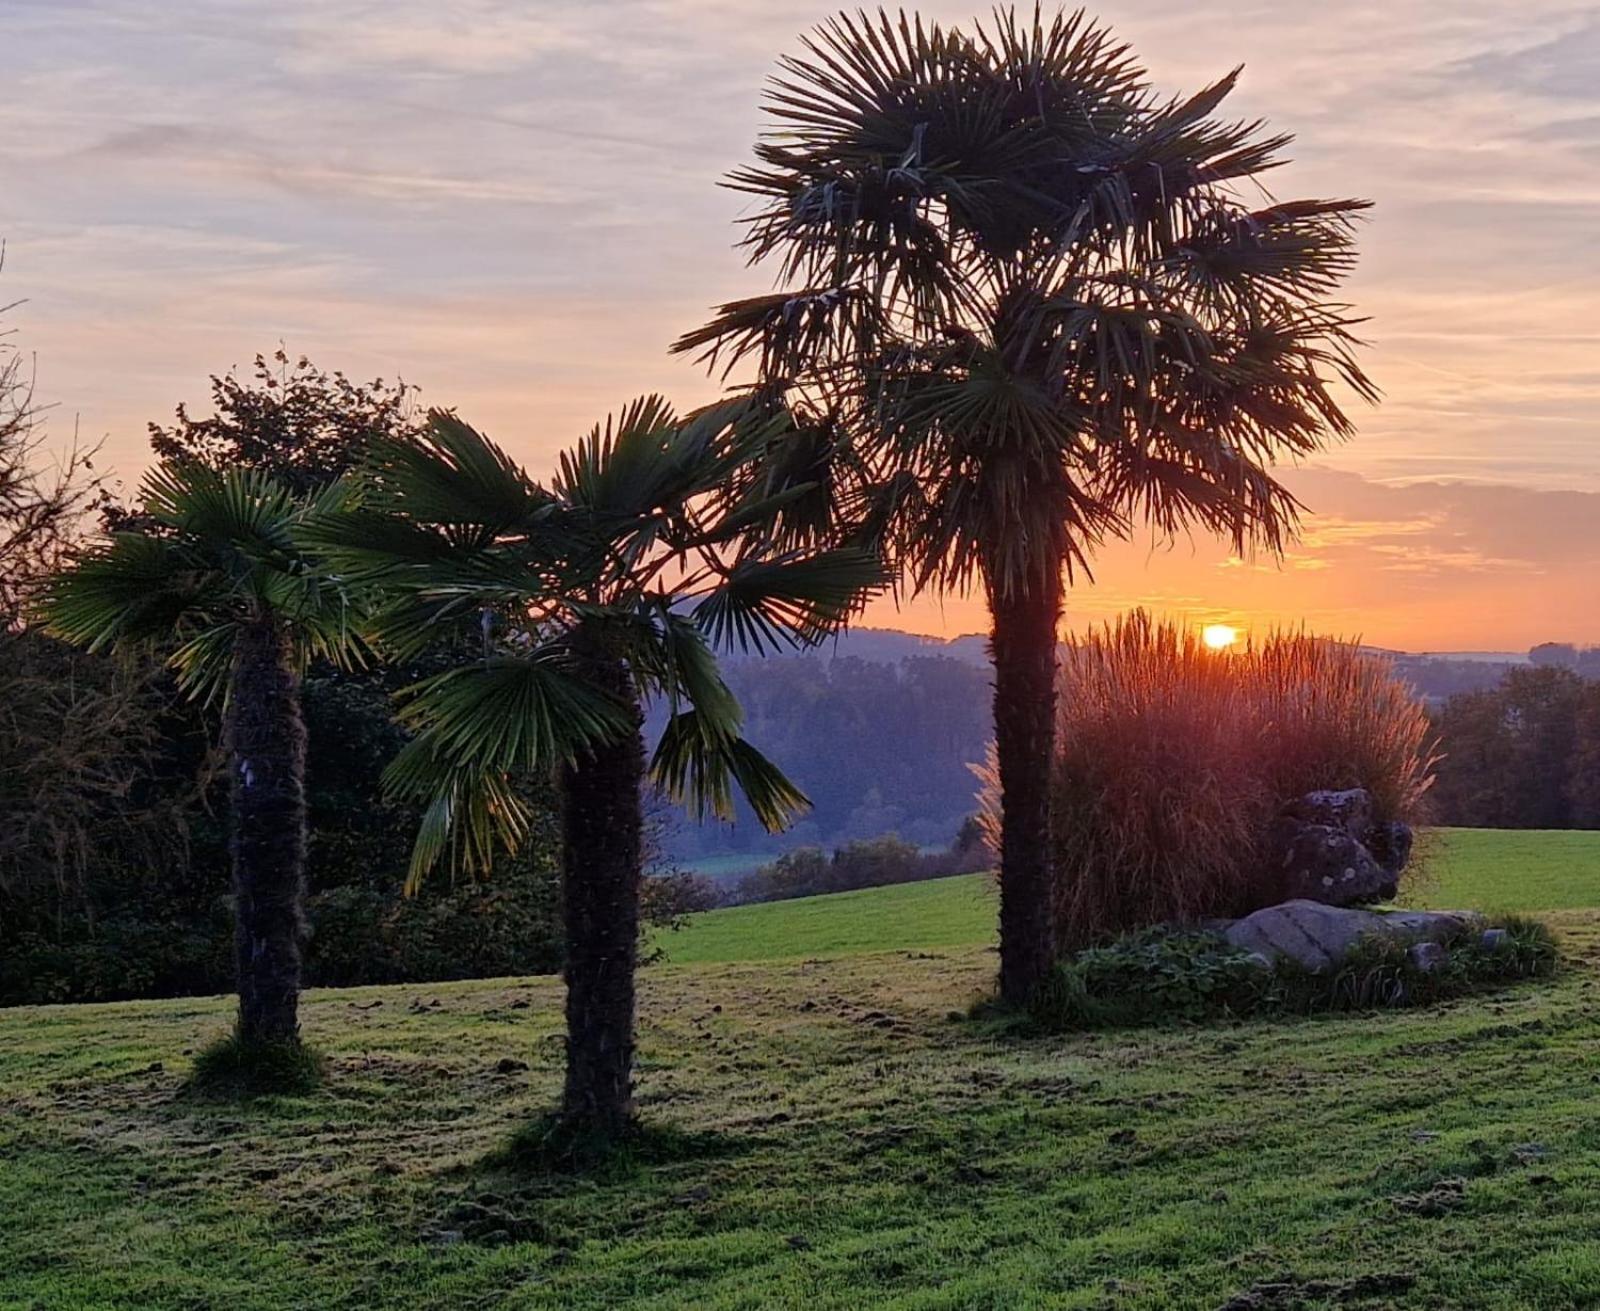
(514,205)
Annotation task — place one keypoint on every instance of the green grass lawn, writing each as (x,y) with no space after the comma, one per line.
(843,1138)
(1483,869)
(958,911)
(1509,869)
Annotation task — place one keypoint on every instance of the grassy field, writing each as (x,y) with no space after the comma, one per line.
(1484,869)
(841,1138)
(952,912)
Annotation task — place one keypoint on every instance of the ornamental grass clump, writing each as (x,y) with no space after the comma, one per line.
(1172,760)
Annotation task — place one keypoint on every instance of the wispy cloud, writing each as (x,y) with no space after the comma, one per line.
(1418,566)
(516,205)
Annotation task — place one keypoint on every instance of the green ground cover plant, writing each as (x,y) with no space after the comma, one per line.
(1161,976)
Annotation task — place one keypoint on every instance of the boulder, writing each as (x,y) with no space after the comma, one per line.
(1390,845)
(1349,809)
(1426,957)
(1318,936)
(1325,846)
(1321,862)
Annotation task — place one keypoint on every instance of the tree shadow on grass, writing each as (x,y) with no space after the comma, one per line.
(550,1149)
(507,1190)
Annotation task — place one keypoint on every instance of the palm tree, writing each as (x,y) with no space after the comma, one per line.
(612,584)
(220,580)
(1025,303)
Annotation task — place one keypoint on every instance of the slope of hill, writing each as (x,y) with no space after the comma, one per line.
(1488,869)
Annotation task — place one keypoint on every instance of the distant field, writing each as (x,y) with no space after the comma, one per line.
(1487,869)
(953,912)
(1513,869)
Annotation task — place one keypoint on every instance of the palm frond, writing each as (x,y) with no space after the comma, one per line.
(470,814)
(699,763)
(518,714)
(239,509)
(136,588)
(621,467)
(205,661)
(451,475)
(768,603)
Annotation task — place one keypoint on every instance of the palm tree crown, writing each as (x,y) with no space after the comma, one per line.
(640,547)
(1027,299)
(224,551)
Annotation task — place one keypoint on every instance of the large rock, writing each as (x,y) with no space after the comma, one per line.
(1317,862)
(1319,936)
(1326,847)
(1390,845)
(1350,810)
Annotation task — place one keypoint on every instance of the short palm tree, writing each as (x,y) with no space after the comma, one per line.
(220,580)
(612,584)
(1025,303)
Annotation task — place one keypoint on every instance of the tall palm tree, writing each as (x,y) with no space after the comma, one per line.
(220,579)
(1025,304)
(612,584)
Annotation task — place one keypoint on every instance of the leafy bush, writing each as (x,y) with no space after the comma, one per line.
(1161,976)
(506,926)
(1172,760)
(664,899)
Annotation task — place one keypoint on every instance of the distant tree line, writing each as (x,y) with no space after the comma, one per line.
(865,863)
(1522,754)
(1581,660)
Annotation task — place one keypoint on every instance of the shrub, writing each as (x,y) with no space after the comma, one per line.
(664,899)
(1164,976)
(1172,760)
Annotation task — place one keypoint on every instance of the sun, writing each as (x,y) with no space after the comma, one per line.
(1219,637)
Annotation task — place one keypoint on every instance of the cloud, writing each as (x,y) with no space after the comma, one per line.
(1421,566)
(516,205)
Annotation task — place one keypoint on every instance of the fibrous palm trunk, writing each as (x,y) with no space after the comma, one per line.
(266,739)
(601,823)
(1023,646)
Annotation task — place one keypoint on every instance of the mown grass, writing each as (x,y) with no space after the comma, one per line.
(1481,869)
(828,1134)
(1513,869)
(833,1139)
(951,912)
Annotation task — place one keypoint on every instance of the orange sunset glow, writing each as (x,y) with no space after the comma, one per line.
(497,207)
